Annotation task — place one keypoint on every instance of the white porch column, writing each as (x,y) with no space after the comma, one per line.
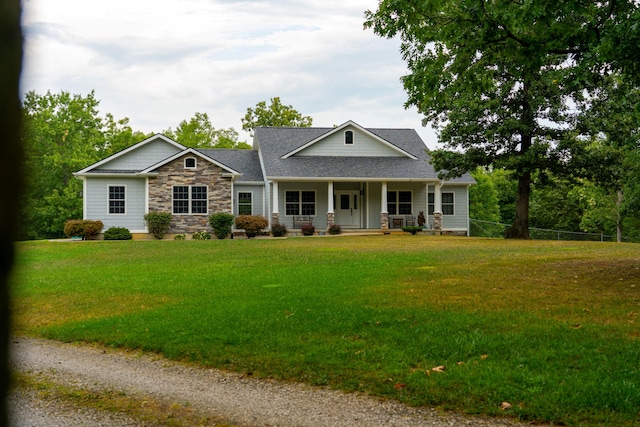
(437,208)
(330,207)
(274,198)
(384,213)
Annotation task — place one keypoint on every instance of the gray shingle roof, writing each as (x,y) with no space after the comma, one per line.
(243,161)
(276,142)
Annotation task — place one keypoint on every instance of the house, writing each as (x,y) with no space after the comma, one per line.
(356,177)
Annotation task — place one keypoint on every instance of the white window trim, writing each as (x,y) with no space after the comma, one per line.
(315,203)
(189,200)
(195,163)
(238,202)
(353,137)
(109,199)
(397,202)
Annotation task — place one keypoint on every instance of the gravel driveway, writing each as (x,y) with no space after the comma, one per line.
(242,401)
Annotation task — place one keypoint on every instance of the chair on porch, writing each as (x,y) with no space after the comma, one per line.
(409,220)
(300,220)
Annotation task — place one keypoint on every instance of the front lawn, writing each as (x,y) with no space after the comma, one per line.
(551,328)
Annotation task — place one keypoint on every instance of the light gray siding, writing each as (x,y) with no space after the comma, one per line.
(141,158)
(257,199)
(97,202)
(460,218)
(321,190)
(363,146)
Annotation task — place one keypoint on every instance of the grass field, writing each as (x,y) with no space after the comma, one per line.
(464,324)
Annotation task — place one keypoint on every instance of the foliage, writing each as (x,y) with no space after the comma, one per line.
(483,198)
(198,132)
(63,133)
(275,114)
(278,230)
(117,233)
(179,237)
(83,228)
(201,235)
(334,229)
(413,229)
(158,223)
(308,229)
(543,325)
(500,79)
(221,223)
(251,224)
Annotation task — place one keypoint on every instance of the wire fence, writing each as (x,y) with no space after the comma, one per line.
(481,228)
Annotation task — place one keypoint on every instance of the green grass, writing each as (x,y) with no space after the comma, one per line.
(550,327)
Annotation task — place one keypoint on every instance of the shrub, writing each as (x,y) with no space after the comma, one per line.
(179,237)
(117,233)
(82,227)
(158,223)
(413,229)
(251,224)
(201,235)
(334,229)
(221,223)
(308,229)
(278,230)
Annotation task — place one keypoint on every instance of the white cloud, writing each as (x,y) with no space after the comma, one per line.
(159,62)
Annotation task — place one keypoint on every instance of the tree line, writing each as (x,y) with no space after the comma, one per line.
(64,133)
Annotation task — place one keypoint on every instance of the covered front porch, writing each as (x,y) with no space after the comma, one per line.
(356,205)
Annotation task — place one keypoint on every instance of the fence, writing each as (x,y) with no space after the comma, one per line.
(481,228)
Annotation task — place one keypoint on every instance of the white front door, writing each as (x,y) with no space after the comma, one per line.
(347,209)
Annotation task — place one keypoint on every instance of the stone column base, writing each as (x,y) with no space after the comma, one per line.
(275,218)
(331,217)
(384,220)
(437,220)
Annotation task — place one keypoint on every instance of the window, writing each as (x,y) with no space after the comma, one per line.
(116,199)
(447,204)
(399,202)
(190,199)
(300,203)
(244,204)
(190,163)
(348,137)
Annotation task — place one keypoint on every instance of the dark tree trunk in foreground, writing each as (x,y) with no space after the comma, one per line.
(10,173)
(520,227)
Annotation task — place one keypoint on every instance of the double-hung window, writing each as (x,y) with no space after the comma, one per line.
(300,203)
(447,204)
(190,199)
(244,203)
(116,199)
(399,202)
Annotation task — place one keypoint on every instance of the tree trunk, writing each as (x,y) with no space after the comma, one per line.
(10,173)
(520,227)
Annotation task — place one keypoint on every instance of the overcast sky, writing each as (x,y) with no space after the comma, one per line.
(158,62)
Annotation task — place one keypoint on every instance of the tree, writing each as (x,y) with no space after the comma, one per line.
(276,114)
(497,78)
(198,132)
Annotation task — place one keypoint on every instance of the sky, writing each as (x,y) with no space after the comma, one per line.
(158,62)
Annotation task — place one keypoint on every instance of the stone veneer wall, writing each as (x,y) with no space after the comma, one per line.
(174,173)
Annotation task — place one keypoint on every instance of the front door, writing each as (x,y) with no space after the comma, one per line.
(348,209)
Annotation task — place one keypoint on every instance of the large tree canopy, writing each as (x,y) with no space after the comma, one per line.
(198,132)
(500,79)
(275,114)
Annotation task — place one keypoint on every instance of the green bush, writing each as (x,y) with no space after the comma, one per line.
(221,223)
(251,224)
(179,237)
(334,229)
(158,223)
(82,227)
(413,229)
(201,235)
(117,233)
(279,230)
(308,229)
